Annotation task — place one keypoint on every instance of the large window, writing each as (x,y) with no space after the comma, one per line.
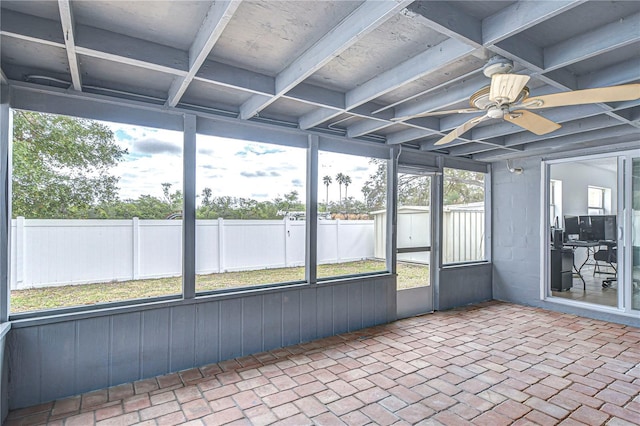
(598,200)
(463,218)
(250,214)
(352,200)
(93,209)
(555,202)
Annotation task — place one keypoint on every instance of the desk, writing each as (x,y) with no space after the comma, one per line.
(591,249)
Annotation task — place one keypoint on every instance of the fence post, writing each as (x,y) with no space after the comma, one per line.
(220,245)
(338,240)
(287,235)
(135,248)
(20,243)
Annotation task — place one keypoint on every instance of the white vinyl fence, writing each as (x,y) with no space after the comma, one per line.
(462,232)
(47,252)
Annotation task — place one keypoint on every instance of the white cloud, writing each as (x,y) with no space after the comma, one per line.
(227,166)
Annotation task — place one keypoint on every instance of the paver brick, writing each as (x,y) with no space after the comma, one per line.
(479,371)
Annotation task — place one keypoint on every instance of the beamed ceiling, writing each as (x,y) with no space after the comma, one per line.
(342,67)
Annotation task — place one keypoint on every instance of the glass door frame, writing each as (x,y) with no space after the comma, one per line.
(624,232)
(417,300)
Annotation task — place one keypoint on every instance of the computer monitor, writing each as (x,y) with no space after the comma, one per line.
(610,227)
(585,228)
(597,228)
(571,226)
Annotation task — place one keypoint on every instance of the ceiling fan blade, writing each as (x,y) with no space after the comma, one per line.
(506,88)
(530,121)
(432,113)
(461,129)
(625,92)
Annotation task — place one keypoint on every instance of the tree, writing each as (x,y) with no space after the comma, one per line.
(347,181)
(173,200)
(375,188)
(340,180)
(327,181)
(461,187)
(61,165)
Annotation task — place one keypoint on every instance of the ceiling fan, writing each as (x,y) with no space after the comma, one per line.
(508,98)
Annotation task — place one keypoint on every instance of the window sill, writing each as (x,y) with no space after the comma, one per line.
(30,319)
(464,264)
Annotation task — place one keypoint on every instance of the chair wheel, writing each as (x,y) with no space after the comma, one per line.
(606,284)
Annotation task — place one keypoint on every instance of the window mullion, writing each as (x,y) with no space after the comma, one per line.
(189,208)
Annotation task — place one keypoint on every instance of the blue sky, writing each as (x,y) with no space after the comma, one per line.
(227,166)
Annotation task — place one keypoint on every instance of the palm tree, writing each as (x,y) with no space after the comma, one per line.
(347,182)
(327,181)
(340,180)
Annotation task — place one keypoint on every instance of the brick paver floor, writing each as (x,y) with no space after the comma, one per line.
(489,364)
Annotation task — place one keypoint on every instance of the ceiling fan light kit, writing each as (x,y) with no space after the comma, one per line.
(507,97)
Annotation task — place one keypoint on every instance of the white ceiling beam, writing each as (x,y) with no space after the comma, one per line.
(109,46)
(318,116)
(447,20)
(354,27)
(422,64)
(521,16)
(31,28)
(559,115)
(235,78)
(472,146)
(419,66)
(595,42)
(218,16)
(520,50)
(315,95)
(126,50)
(368,126)
(568,128)
(68,31)
(600,137)
(441,100)
(621,73)
(409,135)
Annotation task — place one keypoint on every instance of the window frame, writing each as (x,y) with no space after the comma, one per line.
(191,125)
(597,210)
(486,235)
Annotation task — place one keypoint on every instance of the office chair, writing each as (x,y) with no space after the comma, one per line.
(610,256)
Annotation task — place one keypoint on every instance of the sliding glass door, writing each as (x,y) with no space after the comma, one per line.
(635,234)
(593,230)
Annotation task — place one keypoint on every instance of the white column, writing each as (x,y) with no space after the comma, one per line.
(311,255)
(338,240)
(135,248)
(6,127)
(287,236)
(189,208)
(220,244)
(20,244)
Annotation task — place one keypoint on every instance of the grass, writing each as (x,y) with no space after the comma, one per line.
(409,275)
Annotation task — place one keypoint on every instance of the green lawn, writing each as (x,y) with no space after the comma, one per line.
(409,275)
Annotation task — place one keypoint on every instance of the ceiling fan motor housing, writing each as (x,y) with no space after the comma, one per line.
(497,65)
